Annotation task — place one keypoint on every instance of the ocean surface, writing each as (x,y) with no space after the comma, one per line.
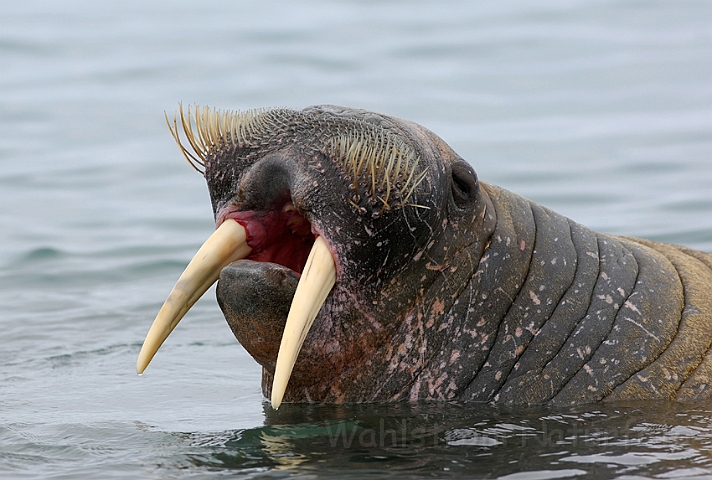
(601,110)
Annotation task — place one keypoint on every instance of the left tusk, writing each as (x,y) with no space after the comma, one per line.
(227,244)
(316,282)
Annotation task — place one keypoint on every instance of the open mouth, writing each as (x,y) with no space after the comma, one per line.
(279,235)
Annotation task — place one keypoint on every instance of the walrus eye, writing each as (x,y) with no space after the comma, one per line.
(464,184)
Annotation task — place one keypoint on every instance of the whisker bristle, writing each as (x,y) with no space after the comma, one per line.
(381,167)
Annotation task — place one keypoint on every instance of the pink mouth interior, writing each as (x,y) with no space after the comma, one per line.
(281,235)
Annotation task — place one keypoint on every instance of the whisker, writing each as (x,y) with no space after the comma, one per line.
(382,169)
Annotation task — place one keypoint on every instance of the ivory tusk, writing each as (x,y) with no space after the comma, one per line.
(314,285)
(227,244)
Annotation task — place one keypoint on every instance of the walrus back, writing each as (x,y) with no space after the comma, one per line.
(574,316)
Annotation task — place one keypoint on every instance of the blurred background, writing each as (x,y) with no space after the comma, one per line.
(599,109)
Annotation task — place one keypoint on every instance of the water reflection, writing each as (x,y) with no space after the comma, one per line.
(467,441)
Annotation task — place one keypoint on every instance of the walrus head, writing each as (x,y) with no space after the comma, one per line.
(340,234)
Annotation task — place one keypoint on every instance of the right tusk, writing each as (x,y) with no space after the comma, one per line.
(227,244)
(316,282)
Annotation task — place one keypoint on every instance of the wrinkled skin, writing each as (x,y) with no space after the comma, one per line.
(474,294)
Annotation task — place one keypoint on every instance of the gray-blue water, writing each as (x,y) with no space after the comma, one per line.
(601,110)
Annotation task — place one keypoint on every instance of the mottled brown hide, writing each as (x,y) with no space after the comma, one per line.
(447,287)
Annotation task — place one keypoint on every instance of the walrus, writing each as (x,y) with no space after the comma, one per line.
(360,259)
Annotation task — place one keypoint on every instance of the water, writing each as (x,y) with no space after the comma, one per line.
(601,110)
